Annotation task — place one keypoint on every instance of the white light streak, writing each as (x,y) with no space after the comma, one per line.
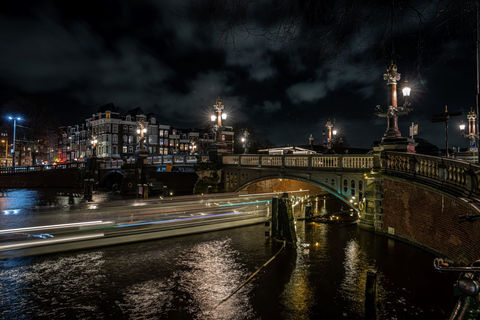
(56,226)
(47,242)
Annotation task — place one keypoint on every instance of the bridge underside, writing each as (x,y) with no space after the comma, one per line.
(348,186)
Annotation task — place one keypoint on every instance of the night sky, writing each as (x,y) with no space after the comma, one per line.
(283,67)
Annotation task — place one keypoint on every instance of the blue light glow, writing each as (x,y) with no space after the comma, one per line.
(244,203)
(176,219)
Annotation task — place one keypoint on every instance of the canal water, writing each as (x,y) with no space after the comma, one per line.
(189,277)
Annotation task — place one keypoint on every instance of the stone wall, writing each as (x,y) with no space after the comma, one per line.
(430,219)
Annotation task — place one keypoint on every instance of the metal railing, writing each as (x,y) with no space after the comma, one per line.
(314,162)
(24,169)
(112,164)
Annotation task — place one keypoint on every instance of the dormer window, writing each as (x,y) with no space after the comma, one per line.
(129,118)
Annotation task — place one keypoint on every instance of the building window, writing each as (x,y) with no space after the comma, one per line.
(115,138)
(108,115)
(125,150)
(130,149)
(114,149)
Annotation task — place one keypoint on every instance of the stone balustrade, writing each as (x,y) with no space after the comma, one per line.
(313,162)
(455,175)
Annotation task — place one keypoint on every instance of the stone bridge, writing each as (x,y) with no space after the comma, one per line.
(429,201)
(341,175)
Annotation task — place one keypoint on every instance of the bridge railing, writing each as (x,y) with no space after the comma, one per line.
(340,161)
(183,159)
(454,175)
(24,169)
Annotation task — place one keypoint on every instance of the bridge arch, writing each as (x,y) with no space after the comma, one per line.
(111,179)
(329,184)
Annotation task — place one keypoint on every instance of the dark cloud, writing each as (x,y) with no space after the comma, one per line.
(284,72)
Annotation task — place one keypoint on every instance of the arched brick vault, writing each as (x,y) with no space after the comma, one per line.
(433,219)
(331,182)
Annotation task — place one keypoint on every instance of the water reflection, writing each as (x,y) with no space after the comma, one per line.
(186,277)
(210,273)
(353,285)
(53,288)
(149,299)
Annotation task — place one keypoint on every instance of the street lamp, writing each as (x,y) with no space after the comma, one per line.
(6,151)
(393,111)
(218,117)
(472,135)
(94,143)
(329,126)
(141,131)
(14,132)
(192,147)
(406,93)
(245,141)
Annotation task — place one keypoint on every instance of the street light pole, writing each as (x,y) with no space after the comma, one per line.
(14,134)
(245,141)
(220,115)
(94,143)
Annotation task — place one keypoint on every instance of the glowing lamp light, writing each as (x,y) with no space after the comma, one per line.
(334,132)
(243,139)
(224,116)
(406,91)
(213,117)
(138,131)
(144,130)
(462,126)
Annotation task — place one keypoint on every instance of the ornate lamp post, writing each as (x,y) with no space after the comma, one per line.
(245,141)
(329,126)
(217,118)
(142,151)
(193,147)
(141,131)
(393,111)
(14,135)
(94,144)
(472,135)
(392,139)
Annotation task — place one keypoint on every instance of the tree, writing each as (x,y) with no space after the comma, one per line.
(330,28)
